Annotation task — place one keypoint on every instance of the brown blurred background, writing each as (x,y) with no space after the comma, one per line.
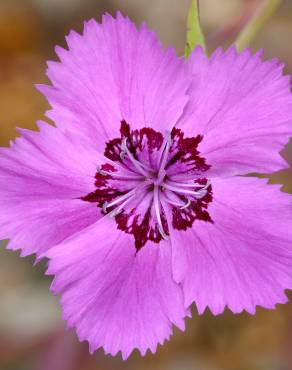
(32,335)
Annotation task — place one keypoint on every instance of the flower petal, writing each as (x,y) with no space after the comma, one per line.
(243,107)
(114,72)
(244,258)
(116,298)
(42,177)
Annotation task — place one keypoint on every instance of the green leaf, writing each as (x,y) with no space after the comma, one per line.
(195,34)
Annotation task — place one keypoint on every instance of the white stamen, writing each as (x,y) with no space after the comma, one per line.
(118,200)
(138,165)
(186,205)
(164,156)
(189,185)
(157,212)
(177,204)
(119,209)
(119,176)
(198,194)
(126,198)
(163,145)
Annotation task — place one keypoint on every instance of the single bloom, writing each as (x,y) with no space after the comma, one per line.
(138,194)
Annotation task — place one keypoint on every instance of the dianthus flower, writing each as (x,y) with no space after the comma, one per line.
(137,195)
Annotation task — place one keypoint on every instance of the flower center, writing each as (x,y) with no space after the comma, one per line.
(151,179)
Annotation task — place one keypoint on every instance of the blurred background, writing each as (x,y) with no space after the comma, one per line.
(32,335)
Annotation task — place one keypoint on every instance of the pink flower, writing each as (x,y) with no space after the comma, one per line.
(137,196)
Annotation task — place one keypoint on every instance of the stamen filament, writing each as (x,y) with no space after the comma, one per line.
(166,145)
(119,176)
(186,205)
(177,204)
(118,200)
(126,198)
(157,211)
(138,165)
(161,150)
(198,194)
(189,185)
(119,209)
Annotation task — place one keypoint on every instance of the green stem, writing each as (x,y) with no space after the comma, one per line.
(195,34)
(257,21)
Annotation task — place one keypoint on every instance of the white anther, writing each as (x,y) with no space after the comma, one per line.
(123,149)
(186,205)
(162,233)
(104,206)
(103,172)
